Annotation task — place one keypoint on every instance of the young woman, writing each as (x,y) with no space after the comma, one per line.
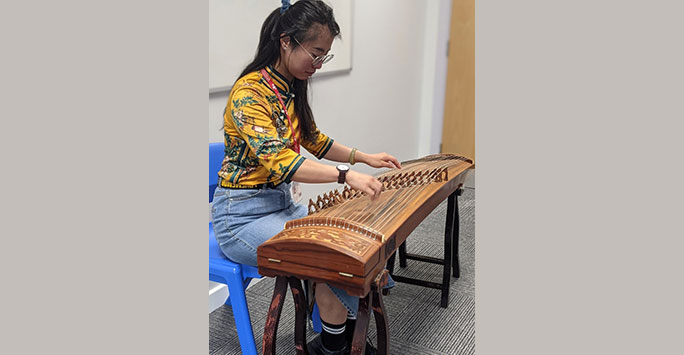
(266,120)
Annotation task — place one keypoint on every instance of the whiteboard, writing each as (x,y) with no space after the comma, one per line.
(234,27)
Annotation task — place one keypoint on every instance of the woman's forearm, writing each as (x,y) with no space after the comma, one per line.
(340,153)
(314,172)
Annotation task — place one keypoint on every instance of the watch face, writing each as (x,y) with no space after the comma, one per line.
(342,167)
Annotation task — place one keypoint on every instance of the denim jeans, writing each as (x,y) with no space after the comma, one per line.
(245,218)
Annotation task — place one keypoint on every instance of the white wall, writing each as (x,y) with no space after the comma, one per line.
(392,99)
(436,39)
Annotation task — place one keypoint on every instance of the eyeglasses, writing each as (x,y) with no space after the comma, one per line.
(321,59)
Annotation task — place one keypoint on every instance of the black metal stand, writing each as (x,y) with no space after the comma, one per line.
(451,233)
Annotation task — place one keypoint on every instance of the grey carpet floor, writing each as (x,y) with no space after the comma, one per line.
(417,324)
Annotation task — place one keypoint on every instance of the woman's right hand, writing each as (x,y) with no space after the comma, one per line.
(364,183)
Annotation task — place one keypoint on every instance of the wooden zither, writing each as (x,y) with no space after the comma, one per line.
(346,239)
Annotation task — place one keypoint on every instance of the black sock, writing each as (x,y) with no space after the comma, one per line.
(349,333)
(332,335)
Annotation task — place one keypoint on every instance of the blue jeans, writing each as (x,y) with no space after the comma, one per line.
(244,218)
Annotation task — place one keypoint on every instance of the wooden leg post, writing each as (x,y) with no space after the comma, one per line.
(300,315)
(372,301)
(361,327)
(271,328)
(380,314)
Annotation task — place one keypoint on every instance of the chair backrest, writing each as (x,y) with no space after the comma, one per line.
(216,152)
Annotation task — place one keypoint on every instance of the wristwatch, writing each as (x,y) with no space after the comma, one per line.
(343,169)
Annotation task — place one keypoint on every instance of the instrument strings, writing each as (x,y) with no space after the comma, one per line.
(380,208)
(397,198)
(356,213)
(381,221)
(399,194)
(375,216)
(352,206)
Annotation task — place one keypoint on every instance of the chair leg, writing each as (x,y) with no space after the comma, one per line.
(314,315)
(241,314)
(245,283)
(316,319)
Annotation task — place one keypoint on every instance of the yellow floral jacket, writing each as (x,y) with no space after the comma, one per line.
(259,145)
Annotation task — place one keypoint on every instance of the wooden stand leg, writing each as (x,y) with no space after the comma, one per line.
(300,315)
(381,323)
(361,327)
(372,301)
(271,328)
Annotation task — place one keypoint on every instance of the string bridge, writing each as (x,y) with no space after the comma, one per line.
(392,181)
(336,222)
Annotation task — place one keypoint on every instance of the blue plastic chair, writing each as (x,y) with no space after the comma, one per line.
(236,276)
(222,270)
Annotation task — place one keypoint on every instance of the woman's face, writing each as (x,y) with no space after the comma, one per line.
(298,60)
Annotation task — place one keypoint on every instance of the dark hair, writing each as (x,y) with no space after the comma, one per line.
(295,22)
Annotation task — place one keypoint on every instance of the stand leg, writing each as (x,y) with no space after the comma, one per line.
(448,238)
(271,328)
(381,322)
(402,254)
(300,315)
(361,327)
(390,263)
(390,269)
(457,263)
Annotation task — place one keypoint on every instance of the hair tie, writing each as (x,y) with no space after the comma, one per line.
(286,5)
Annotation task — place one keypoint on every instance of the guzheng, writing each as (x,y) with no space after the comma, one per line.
(346,239)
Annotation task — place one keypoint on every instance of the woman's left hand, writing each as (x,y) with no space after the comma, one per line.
(382,160)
